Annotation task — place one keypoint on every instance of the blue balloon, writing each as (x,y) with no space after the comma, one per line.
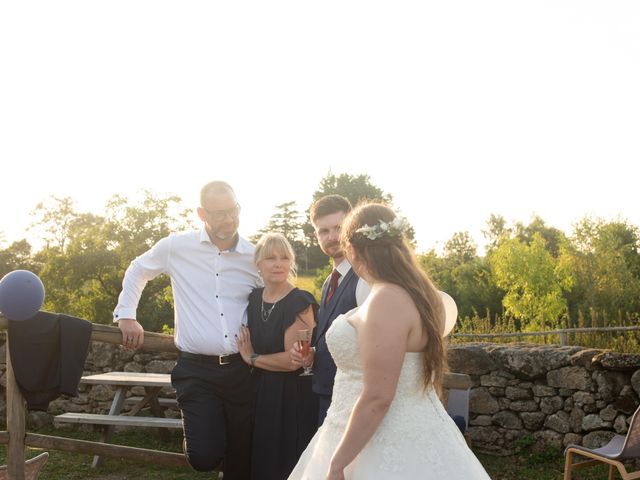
(21,295)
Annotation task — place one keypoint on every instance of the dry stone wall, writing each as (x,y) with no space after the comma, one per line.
(546,395)
(536,395)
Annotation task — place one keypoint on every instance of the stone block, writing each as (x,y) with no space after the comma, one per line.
(549,405)
(558,422)
(620,424)
(617,361)
(481,401)
(493,380)
(609,384)
(608,414)
(508,420)
(160,366)
(593,422)
(544,391)
(524,406)
(532,420)
(574,378)
(470,359)
(575,419)
(571,439)
(583,398)
(597,439)
(481,421)
(513,393)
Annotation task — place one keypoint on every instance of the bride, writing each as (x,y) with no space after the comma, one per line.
(386,420)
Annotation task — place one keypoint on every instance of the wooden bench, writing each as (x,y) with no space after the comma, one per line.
(118,420)
(164,402)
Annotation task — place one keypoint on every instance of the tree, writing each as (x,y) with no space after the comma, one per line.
(16,256)
(461,248)
(464,276)
(84,278)
(605,259)
(533,281)
(354,187)
(553,237)
(54,217)
(496,230)
(287,220)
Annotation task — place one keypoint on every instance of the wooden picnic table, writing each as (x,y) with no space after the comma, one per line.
(153,384)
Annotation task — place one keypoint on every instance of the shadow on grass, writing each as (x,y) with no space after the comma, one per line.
(528,465)
(76,466)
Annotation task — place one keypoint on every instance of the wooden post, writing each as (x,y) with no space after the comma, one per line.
(563,338)
(15,423)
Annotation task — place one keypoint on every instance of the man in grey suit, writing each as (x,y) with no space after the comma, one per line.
(342,291)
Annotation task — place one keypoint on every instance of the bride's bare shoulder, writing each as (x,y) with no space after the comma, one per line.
(389,292)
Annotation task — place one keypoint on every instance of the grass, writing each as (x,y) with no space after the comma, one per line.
(536,466)
(547,465)
(306,283)
(75,466)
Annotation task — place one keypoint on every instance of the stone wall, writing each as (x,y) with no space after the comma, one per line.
(546,395)
(522,394)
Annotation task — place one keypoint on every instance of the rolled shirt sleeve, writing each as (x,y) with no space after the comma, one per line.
(144,268)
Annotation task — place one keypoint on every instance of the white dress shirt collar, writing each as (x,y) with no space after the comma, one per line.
(242,246)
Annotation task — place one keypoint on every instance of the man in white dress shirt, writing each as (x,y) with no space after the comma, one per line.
(212,273)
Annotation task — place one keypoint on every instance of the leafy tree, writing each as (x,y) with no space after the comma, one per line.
(461,248)
(54,217)
(496,230)
(354,187)
(465,276)
(533,282)
(16,256)
(605,259)
(84,278)
(287,220)
(553,237)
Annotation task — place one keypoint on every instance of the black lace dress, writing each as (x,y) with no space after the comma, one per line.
(286,410)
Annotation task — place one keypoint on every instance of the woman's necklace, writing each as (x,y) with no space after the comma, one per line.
(266,311)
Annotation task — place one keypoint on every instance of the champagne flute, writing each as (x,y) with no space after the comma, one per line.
(304,343)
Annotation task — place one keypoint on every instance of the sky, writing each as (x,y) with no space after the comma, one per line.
(458,109)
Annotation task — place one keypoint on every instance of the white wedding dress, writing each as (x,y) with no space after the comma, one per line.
(416,439)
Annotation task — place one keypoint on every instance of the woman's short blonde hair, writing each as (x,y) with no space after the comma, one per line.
(276,242)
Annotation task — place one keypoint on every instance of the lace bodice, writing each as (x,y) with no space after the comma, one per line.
(343,344)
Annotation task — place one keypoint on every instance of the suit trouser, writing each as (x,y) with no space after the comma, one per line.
(216,404)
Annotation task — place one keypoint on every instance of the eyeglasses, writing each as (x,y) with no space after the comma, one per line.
(219,215)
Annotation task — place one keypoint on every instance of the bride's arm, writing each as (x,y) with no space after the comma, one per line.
(383,332)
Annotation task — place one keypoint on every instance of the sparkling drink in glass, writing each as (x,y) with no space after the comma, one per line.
(304,343)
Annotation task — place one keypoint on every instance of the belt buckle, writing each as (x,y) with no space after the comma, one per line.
(222,360)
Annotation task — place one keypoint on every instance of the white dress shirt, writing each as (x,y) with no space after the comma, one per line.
(210,289)
(362,288)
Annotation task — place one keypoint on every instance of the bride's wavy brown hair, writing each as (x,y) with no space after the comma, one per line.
(389,258)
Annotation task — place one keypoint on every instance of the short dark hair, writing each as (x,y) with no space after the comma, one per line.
(217,186)
(329,204)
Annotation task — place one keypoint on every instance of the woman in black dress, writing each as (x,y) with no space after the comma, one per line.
(285,408)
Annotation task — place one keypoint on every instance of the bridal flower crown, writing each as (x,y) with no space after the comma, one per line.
(394,228)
